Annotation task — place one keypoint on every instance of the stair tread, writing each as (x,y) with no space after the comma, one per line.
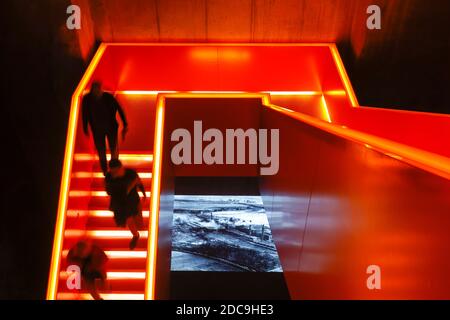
(107,296)
(88,208)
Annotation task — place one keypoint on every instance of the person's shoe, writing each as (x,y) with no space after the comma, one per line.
(134,242)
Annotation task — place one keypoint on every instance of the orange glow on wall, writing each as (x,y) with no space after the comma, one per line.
(428,161)
(416,157)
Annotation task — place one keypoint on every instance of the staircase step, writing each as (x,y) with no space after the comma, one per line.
(119,238)
(94,193)
(96,200)
(89,162)
(96,214)
(108,223)
(97,223)
(123,260)
(92,181)
(110,233)
(124,285)
(117,280)
(107,296)
(88,218)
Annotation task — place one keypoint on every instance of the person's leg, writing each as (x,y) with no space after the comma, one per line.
(113,145)
(100,145)
(103,283)
(92,288)
(139,221)
(132,225)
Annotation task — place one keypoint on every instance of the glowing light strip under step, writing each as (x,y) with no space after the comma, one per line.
(98,213)
(103,234)
(115,275)
(83,193)
(273,93)
(122,157)
(87,174)
(119,254)
(106,296)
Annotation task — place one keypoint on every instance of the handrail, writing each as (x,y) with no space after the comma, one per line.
(428,161)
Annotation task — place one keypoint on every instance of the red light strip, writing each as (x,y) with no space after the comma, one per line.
(326,113)
(431,162)
(93,193)
(228,44)
(97,213)
(87,174)
(152,246)
(121,254)
(106,296)
(114,275)
(123,157)
(102,234)
(273,93)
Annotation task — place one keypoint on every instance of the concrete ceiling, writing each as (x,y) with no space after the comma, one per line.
(240,20)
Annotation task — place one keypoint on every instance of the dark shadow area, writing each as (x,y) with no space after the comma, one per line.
(405,67)
(39,75)
(228,285)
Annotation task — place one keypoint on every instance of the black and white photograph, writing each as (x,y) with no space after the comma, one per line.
(222,233)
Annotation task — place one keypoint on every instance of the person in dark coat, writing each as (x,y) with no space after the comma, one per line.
(91,260)
(122,184)
(99,111)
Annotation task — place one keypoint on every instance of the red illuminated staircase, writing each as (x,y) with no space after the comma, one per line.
(88,217)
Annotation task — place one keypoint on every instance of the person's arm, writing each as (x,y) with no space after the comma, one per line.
(141,187)
(133,184)
(85,116)
(136,182)
(122,115)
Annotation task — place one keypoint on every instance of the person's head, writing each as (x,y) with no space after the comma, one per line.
(116,167)
(96,89)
